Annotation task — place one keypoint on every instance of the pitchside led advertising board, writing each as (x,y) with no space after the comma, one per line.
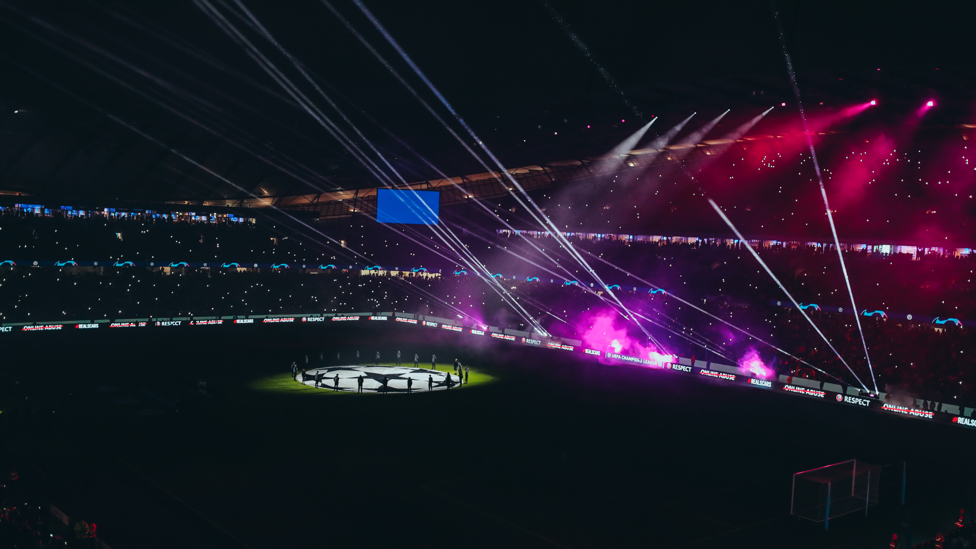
(809,389)
(408,207)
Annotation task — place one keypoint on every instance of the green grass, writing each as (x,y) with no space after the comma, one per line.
(284,383)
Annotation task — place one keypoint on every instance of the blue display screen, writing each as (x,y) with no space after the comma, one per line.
(408,207)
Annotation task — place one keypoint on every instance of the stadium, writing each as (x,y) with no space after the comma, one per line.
(514,275)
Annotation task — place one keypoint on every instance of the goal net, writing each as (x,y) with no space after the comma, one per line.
(834,490)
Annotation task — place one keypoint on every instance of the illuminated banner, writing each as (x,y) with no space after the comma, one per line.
(344,318)
(205,322)
(378,318)
(478,332)
(625,358)
(554,345)
(680,368)
(967,421)
(908,411)
(430,324)
(86,326)
(244,321)
(407,320)
(452,328)
(717,375)
(853,400)
(530,341)
(169,322)
(592,352)
(313,319)
(506,337)
(42,328)
(126,324)
(804,391)
(6,329)
(635,359)
(765,384)
(277,320)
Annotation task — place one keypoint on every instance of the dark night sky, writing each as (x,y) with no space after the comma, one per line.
(504,59)
(487,55)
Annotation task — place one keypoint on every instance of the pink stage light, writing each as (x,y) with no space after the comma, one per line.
(874,102)
(622,120)
(782,104)
(930,103)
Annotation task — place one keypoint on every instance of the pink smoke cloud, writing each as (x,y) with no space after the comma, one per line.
(751,363)
(604,334)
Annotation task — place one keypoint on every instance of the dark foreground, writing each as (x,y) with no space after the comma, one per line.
(554,453)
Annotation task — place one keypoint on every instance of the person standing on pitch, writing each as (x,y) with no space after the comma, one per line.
(336,387)
(377,358)
(294,369)
(416,360)
(409,384)
(456,365)
(398,357)
(360,383)
(433,362)
(466,368)
(430,383)
(318,378)
(357,356)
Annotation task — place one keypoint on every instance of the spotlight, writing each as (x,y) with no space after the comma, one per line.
(782,104)
(622,120)
(874,102)
(930,103)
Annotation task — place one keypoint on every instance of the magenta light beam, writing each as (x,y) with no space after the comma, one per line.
(717,318)
(527,203)
(823,194)
(781,287)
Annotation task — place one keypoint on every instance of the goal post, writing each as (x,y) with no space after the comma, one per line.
(835,490)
